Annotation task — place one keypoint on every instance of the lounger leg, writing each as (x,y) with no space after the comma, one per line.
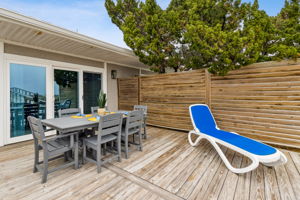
(196,141)
(282,160)
(251,167)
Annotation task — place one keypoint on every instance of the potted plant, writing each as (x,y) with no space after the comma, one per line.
(101,103)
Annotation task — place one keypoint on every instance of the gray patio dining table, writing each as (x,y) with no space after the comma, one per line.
(69,124)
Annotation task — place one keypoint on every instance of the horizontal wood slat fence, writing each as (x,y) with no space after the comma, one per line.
(260,101)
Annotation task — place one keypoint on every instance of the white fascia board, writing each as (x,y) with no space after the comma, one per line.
(31,22)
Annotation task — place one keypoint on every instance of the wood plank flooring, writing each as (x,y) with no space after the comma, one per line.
(168,168)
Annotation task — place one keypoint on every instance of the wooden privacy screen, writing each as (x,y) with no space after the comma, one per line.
(260,101)
(168,97)
(128,93)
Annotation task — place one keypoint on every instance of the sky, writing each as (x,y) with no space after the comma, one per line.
(89,17)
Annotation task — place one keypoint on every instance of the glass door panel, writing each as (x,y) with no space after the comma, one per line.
(27,97)
(91,89)
(66,90)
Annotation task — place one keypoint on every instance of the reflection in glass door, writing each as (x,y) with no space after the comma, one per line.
(66,90)
(91,89)
(27,97)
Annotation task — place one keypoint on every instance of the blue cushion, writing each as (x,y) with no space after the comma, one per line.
(205,122)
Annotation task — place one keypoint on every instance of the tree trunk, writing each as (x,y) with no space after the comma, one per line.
(162,69)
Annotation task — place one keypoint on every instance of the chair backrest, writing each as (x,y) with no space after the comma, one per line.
(134,121)
(141,107)
(68,112)
(202,118)
(37,129)
(110,124)
(66,104)
(94,109)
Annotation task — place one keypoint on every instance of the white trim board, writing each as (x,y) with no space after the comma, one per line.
(73,55)
(34,23)
(2,130)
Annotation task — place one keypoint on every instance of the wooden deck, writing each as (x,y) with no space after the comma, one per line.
(168,168)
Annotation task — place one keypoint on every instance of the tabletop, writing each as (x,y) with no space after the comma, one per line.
(69,124)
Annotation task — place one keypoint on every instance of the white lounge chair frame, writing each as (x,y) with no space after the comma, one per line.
(270,160)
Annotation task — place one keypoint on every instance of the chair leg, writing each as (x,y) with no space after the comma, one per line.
(119,149)
(84,152)
(104,149)
(36,159)
(126,147)
(140,141)
(65,156)
(99,160)
(145,130)
(45,170)
(76,165)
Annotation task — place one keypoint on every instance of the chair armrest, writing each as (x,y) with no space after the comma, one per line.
(50,129)
(67,134)
(59,136)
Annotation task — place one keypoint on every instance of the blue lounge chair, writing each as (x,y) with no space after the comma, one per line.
(205,127)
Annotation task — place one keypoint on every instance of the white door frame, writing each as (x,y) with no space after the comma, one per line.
(50,65)
(80,87)
(2,114)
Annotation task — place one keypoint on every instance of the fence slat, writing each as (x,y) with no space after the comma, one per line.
(128,91)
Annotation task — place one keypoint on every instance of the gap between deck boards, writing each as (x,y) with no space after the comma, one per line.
(143,183)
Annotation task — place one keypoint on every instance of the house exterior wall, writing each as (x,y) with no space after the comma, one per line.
(24,55)
(25,51)
(112,85)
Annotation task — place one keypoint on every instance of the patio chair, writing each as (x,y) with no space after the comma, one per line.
(144,109)
(68,112)
(66,104)
(53,148)
(109,130)
(205,128)
(94,109)
(133,127)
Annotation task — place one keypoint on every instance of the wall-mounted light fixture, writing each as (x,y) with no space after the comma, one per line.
(113,74)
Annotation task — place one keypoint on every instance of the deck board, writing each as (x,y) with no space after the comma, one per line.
(168,168)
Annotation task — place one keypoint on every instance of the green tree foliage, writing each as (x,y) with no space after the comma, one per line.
(220,35)
(149,31)
(287,25)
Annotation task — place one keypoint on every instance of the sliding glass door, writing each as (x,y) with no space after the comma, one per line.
(66,90)
(27,97)
(39,88)
(91,89)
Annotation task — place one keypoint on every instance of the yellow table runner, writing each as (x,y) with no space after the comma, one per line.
(80,117)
